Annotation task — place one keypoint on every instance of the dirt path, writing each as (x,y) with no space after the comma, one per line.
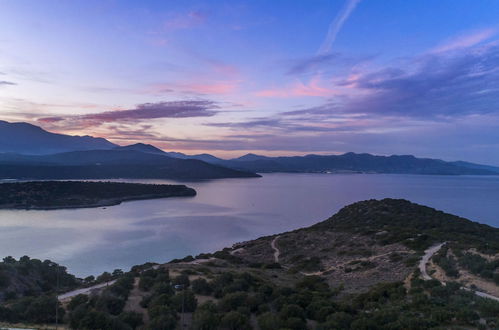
(87,291)
(133,301)
(426,258)
(277,253)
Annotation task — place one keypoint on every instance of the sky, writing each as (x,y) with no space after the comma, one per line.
(269,77)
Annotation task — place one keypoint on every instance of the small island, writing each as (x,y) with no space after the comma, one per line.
(49,195)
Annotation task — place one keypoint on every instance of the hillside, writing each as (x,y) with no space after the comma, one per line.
(355,270)
(24,138)
(77,194)
(347,163)
(354,163)
(109,164)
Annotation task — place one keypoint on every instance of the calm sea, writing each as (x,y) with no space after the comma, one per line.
(90,241)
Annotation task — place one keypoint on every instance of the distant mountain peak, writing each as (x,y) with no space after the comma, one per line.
(142,147)
(250,157)
(26,138)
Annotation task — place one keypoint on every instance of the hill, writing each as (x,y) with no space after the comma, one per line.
(141,147)
(347,163)
(109,164)
(353,163)
(77,194)
(24,138)
(355,270)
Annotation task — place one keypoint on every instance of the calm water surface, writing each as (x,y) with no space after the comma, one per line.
(90,241)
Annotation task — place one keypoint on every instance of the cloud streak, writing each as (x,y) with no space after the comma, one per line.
(173,109)
(465,40)
(7,83)
(336,25)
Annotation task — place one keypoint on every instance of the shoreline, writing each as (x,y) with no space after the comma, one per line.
(101,203)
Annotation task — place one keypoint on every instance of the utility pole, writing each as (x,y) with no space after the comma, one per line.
(57,298)
(183,301)
(181,287)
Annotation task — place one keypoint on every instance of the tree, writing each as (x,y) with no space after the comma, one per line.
(117,272)
(235,321)
(77,301)
(89,279)
(185,298)
(104,277)
(206,319)
(269,321)
(133,319)
(41,309)
(201,286)
(288,311)
(163,322)
(9,260)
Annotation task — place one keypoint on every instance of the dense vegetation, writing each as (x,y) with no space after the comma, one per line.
(416,226)
(104,311)
(32,277)
(236,298)
(55,194)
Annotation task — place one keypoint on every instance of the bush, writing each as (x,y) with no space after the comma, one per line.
(187,298)
(269,321)
(206,317)
(77,301)
(201,286)
(235,321)
(133,319)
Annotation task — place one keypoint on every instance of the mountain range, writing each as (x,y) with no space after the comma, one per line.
(24,138)
(29,152)
(347,163)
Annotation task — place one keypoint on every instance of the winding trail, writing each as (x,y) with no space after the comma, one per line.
(428,253)
(426,258)
(86,291)
(274,247)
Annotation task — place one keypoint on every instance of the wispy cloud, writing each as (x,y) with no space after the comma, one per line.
(465,40)
(336,25)
(173,109)
(9,83)
(212,87)
(185,20)
(314,87)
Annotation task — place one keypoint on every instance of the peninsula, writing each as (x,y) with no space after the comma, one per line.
(80,194)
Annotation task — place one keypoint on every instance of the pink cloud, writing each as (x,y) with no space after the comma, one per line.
(299,89)
(185,21)
(215,87)
(145,111)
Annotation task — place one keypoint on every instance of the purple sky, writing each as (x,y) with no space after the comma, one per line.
(270,77)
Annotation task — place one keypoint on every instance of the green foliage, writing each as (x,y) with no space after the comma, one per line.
(479,265)
(33,277)
(447,263)
(269,321)
(235,321)
(201,286)
(40,194)
(416,226)
(133,319)
(206,317)
(77,301)
(185,298)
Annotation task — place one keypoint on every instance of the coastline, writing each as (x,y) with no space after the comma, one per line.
(101,203)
